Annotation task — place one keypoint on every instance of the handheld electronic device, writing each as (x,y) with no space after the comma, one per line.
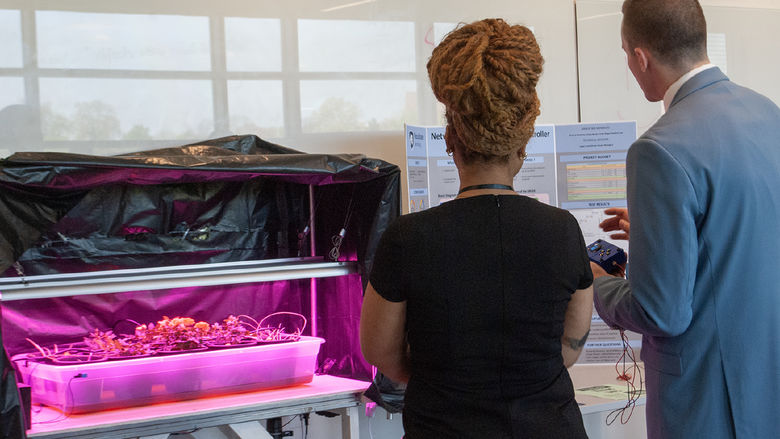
(609,256)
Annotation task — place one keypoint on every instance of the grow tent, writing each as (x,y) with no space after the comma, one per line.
(232,201)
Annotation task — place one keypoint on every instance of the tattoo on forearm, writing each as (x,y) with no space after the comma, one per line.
(575,343)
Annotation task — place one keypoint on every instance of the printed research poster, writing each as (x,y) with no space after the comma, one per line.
(578,167)
(416,168)
(440,182)
(591,168)
(536,178)
(442,173)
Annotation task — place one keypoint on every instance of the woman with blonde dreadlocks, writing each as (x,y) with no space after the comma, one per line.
(480,304)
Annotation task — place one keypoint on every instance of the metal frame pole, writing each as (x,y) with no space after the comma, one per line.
(312,245)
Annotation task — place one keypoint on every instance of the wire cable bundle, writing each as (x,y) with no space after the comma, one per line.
(629,373)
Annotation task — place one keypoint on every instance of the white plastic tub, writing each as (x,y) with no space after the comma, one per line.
(139,381)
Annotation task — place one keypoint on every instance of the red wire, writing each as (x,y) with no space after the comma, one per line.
(629,374)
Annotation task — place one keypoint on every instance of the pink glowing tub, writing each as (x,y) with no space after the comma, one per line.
(138,381)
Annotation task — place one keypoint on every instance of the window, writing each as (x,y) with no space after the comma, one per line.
(19,123)
(120,78)
(125,109)
(80,40)
(357,105)
(11,91)
(256,107)
(356,46)
(341,56)
(253,44)
(10,38)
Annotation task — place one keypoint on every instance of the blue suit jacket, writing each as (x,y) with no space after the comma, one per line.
(704,275)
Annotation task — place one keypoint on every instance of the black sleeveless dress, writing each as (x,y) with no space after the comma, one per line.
(487,280)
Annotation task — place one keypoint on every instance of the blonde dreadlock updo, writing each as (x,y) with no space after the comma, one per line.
(485,73)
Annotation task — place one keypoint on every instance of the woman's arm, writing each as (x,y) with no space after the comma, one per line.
(383,335)
(576,325)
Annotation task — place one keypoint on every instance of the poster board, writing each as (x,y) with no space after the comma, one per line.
(578,167)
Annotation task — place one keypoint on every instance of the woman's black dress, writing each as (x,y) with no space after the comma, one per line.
(487,280)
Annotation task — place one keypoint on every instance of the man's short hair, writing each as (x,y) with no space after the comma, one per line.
(674,31)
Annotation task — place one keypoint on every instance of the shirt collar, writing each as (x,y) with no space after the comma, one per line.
(675,87)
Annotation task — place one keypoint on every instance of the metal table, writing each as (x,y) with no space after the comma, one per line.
(240,412)
(595,410)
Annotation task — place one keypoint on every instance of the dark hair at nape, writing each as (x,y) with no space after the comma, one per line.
(674,31)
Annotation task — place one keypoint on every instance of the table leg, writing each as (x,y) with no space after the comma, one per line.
(251,429)
(350,423)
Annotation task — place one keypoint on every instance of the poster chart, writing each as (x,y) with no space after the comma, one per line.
(417,168)
(592,164)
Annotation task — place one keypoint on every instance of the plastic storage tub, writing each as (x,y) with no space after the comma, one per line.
(123,383)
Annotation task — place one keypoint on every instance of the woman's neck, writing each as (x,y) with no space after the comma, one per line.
(484,180)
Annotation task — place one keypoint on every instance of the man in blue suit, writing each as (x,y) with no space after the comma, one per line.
(703,222)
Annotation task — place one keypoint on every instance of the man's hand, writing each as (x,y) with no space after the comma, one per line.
(599,272)
(618,222)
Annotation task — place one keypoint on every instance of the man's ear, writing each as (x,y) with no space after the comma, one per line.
(643,58)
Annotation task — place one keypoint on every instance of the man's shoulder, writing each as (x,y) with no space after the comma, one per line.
(698,131)
(715,108)
(667,132)
(716,95)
